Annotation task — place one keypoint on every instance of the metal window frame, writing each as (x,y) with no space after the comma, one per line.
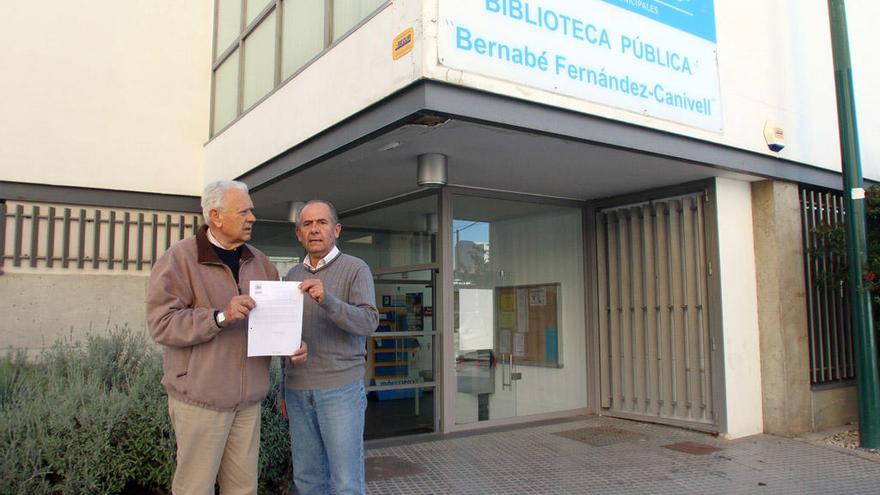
(438,335)
(446,291)
(245,30)
(433,334)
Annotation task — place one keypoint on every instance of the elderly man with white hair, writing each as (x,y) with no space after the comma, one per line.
(197,308)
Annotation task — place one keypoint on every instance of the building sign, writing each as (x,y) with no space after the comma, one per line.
(402,44)
(653,57)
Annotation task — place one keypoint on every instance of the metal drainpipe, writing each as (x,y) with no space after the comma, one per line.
(867,382)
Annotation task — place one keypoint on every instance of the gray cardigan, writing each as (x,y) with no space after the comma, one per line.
(336,329)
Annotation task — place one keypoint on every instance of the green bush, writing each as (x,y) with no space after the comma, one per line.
(93,418)
(275,467)
(832,240)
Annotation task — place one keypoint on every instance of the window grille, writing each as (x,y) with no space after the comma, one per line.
(830,333)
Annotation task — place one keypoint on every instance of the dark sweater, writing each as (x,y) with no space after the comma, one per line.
(336,329)
(230,258)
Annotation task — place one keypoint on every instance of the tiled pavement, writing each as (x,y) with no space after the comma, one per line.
(600,455)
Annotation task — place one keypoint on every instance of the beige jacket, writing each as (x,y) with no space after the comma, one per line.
(204,364)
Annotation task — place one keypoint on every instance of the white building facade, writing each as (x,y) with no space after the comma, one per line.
(569,206)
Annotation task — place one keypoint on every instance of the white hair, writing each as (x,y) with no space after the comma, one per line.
(212,196)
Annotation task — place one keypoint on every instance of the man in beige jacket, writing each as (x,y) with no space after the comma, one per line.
(197,308)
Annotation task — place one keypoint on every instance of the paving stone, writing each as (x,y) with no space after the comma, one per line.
(633,458)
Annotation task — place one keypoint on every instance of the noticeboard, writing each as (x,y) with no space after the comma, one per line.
(527,324)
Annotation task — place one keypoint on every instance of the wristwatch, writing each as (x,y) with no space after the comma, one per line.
(219,318)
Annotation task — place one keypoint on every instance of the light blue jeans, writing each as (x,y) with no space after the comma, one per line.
(327,438)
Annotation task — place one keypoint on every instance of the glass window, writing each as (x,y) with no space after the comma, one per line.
(259,62)
(302,33)
(399,372)
(519,326)
(347,13)
(254,7)
(226,92)
(398,235)
(276,239)
(228,24)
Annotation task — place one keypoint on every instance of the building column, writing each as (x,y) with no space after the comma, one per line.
(782,308)
(738,304)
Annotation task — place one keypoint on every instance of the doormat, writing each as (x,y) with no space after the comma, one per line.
(692,448)
(600,436)
(381,468)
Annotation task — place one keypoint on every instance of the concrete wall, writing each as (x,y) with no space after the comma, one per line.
(790,406)
(39,309)
(106,94)
(832,407)
(782,308)
(774,63)
(739,310)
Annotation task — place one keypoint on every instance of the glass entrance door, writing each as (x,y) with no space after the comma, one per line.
(478,352)
(518,295)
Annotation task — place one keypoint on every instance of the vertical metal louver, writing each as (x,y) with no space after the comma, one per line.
(655,344)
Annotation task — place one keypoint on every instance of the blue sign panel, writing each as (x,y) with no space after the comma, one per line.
(696,17)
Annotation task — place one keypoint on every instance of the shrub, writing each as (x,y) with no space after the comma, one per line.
(275,467)
(832,240)
(93,418)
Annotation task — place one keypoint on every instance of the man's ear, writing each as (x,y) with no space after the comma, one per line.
(214,216)
(336,230)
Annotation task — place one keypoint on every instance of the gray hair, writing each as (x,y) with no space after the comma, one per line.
(212,196)
(334,218)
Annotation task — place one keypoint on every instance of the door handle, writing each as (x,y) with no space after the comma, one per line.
(514,375)
(506,374)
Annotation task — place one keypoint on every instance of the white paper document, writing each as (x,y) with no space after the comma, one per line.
(275,324)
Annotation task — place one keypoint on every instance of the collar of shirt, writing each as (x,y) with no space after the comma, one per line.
(326,259)
(213,240)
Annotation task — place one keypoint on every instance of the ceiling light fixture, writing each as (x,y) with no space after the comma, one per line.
(432,168)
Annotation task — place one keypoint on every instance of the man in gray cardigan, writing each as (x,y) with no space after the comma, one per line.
(325,396)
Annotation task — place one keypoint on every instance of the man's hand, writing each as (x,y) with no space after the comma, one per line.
(314,288)
(299,357)
(238,309)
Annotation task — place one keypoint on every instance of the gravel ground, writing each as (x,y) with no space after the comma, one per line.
(849,440)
